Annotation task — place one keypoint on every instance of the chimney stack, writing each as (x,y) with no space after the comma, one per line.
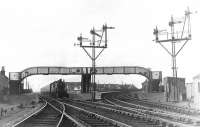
(3,71)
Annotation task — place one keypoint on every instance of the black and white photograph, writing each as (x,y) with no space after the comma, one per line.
(99,63)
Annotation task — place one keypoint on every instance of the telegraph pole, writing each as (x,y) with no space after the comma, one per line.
(174,37)
(100,43)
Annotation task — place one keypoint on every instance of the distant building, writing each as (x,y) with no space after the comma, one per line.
(4,82)
(189,90)
(151,86)
(73,86)
(196,90)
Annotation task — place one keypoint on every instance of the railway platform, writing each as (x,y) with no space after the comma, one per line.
(80,96)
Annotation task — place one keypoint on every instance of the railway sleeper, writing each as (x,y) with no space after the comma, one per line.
(169,117)
(137,117)
(185,120)
(165,124)
(142,117)
(99,120)
(176,109)
(197,123)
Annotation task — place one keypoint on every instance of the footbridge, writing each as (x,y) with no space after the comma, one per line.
(85,72)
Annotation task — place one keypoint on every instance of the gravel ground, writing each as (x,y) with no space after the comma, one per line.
(12,117)
(14,108)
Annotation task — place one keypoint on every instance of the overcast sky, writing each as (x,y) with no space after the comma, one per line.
(43,33)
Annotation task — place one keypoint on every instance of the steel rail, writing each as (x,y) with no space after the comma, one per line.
(99,116)
(158,110)
(68,116)
(31,115)
(143,112)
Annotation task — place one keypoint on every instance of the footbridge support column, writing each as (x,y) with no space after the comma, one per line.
(85,83)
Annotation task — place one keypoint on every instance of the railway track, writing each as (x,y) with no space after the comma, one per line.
(114,114)
(182,110)
(163,116)
(89,117)
(52,114)
(117,112)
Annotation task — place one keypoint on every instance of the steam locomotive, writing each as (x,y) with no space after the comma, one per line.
(56,89)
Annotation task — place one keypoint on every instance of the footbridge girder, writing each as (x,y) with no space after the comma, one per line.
(43,70)
(16,78)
